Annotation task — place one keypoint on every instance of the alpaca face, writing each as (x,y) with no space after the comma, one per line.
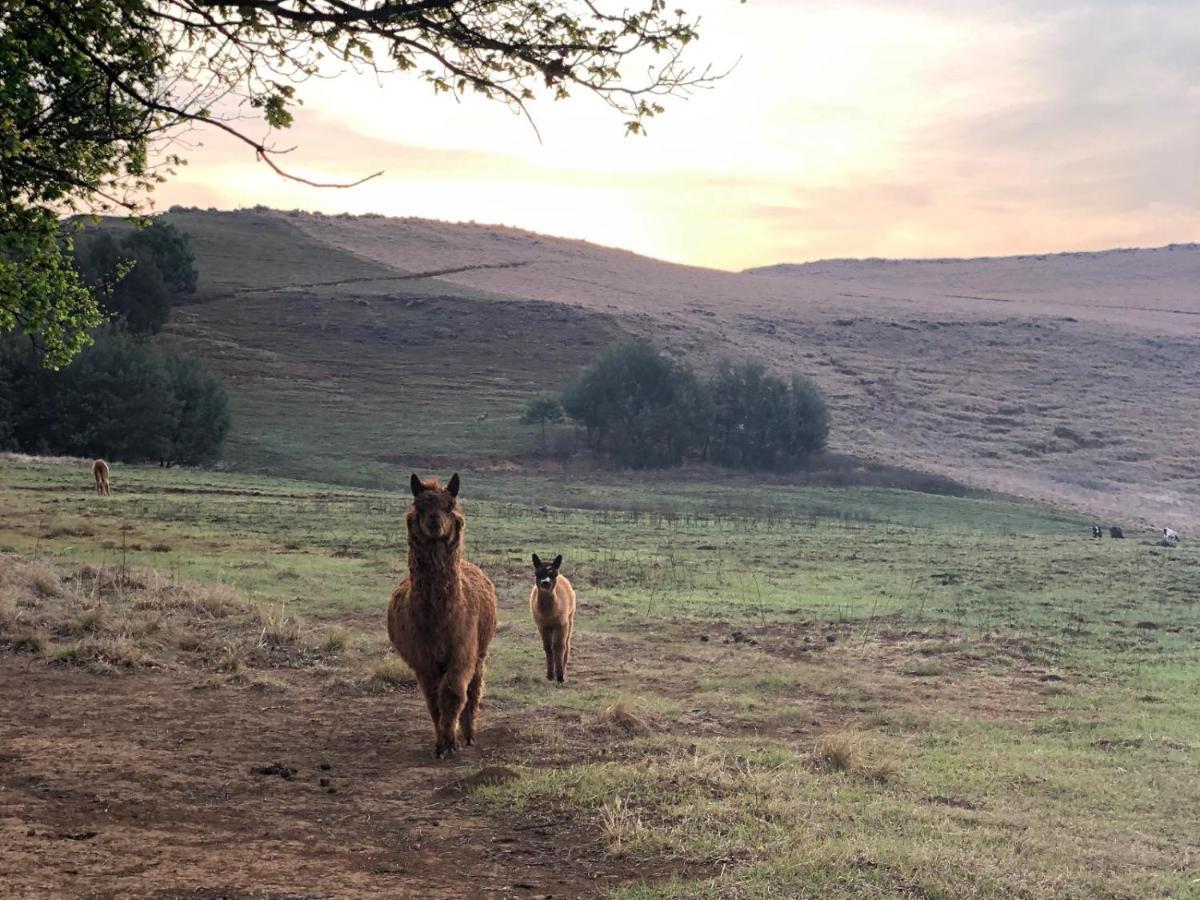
(546,575)
(434,512)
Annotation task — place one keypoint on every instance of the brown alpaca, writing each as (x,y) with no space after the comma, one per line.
(100,476)
(552,602)
(443,615)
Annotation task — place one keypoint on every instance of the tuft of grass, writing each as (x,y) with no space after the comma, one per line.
(278,628)
(91,621)
(625,718)
(25,643)
(390,672)
(621,825)
(838,752)
(926,669)
(335,641)
(100,655)
(842,751)
(43,580)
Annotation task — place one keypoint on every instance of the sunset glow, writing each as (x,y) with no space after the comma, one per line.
(872,129)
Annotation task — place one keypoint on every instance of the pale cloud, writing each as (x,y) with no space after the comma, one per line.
(866,129)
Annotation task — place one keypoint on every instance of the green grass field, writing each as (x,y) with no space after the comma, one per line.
(929,696)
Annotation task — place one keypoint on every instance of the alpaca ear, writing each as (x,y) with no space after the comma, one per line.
(537,563)
(557,562)
(417,485)
(452,487)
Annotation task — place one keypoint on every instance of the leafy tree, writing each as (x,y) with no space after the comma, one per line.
(542,410)
(201,413)
(171,252)
(760,420)
(69,140)
(137,273)
(87,89)
(639,405)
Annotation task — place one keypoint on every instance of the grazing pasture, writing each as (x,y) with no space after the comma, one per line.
(775,691)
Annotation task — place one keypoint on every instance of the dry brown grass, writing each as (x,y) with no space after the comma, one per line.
(389,673)
(843,751)
(624,717)
(621,825)
(104,619)
(278,628)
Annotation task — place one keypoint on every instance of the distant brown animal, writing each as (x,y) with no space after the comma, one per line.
(442,617)
(100,476)
(552,603)
(1116,532)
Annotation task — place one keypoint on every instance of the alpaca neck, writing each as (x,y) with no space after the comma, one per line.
(433,571)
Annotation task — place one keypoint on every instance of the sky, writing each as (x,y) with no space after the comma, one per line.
(849,129)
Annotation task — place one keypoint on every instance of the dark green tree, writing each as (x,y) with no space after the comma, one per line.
(543,410)
(89,89)
(201,415)
(171,251)
(137,272)
(639,405)
(761,421)
(121,398)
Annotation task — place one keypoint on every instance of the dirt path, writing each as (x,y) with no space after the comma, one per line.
(143,786)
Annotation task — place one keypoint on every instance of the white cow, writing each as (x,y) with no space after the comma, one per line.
(1170,534)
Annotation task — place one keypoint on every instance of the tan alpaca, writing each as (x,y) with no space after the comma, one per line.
(442,617)
(552,603)
(100,476)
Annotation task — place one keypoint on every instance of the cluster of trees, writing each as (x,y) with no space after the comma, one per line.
(137,274)
(121,398)
(647,411)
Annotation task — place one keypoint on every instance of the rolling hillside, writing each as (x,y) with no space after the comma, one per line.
(358,345)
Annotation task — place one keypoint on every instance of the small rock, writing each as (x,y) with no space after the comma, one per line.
(325,767)
(285,772)
(704,638)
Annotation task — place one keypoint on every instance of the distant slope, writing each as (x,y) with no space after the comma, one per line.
(341,369)
(1071,377)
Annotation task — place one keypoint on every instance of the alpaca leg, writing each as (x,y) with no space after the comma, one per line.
(560,655)
(567,646)
(452,697)
(548,646)
(430,690)
(474,695)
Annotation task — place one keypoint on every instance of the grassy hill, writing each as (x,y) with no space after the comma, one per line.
(342,370)
(357,346)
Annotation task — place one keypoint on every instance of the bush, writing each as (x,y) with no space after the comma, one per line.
(649,411)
